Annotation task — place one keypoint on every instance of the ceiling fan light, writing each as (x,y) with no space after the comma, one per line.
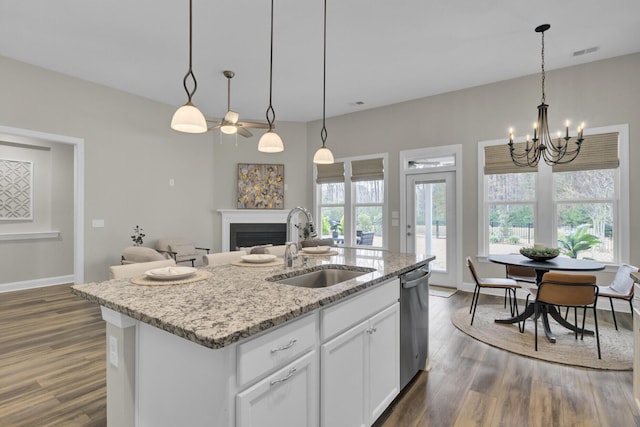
(323,156)
(270,142)
(229,129)
(231,117)
(189,119)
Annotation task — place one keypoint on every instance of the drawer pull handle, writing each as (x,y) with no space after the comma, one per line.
(284,347)
(283,379)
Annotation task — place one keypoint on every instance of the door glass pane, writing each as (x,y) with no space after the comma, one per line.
(432,162)
(431,225)
(369,226)
(510,228)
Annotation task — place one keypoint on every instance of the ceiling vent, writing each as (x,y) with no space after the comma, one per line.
(585,51)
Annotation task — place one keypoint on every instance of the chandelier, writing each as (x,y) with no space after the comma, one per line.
(554,152)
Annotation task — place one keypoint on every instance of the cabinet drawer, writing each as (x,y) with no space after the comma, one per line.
(272,350)
(339,317)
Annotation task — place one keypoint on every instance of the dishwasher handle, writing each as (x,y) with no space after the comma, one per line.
(417,281)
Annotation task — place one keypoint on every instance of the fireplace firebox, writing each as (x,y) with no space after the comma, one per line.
(243,235)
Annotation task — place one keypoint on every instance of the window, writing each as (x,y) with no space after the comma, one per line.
(552,205)
(351,201)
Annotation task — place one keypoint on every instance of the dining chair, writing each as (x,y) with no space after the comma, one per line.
(222,258)
(566,290)
(521,274)
(131,270)
(621,288)
(509,285)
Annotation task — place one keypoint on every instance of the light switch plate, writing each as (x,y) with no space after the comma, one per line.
(97,223)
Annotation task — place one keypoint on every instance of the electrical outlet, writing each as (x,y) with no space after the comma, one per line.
(113,351)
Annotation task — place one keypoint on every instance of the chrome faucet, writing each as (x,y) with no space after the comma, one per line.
(290,254)
(307,214)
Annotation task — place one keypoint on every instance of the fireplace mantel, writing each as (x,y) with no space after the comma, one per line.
(236,216)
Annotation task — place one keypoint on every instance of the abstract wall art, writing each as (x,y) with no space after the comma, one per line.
(260,186)
(16,190)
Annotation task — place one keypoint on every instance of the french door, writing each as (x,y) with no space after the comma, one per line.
(431,222)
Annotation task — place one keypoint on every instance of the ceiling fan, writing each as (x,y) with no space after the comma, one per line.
(230,123)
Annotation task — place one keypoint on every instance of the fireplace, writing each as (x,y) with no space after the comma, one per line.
(242,235)
(253,217)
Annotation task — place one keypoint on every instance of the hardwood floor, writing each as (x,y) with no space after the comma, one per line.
(474,384)
(52,373)
(52,359)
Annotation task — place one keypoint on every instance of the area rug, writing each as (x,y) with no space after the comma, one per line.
(616,346)
(443,292)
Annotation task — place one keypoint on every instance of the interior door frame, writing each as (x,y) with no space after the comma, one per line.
(432,152)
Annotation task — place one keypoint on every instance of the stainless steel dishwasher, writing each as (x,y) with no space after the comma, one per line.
(414,322)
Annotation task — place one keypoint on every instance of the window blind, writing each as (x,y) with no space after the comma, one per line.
(330,173)
(497,159)
(367,170)
(598,152)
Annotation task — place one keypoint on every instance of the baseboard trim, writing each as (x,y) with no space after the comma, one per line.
(37,283)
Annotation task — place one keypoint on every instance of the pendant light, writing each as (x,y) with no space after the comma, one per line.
(270,142)
(188,118)
(324,156)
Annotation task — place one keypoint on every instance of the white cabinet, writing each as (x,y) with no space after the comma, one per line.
(287,397)
(384,360)
(360,371)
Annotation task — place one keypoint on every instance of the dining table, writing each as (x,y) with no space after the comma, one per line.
(542,267)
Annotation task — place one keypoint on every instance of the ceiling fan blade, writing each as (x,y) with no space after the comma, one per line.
(255,125)
(242,131)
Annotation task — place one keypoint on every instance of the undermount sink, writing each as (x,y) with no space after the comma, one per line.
(321,278)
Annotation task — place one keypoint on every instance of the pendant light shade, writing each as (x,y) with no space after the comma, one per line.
(270,142)
(323,156)
(188,118)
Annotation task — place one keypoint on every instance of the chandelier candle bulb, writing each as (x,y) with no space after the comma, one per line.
(535,131)
(567,125)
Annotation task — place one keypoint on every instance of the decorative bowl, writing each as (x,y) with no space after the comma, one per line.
(542,254)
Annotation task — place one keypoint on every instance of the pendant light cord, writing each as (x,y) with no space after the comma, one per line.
(190,71)
(272,118)
(323,132)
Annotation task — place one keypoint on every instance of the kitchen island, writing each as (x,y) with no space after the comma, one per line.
(238,349)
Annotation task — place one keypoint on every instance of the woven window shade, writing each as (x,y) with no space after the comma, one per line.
(497,160)
(333,172)
(598,152)
(367,170)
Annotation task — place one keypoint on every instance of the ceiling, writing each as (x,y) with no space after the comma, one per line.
(379,52)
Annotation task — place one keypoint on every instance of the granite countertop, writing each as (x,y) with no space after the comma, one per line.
(238,302)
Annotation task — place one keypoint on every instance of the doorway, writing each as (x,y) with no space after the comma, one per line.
(431,221)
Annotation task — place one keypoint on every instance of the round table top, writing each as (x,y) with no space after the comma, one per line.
(558,263)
